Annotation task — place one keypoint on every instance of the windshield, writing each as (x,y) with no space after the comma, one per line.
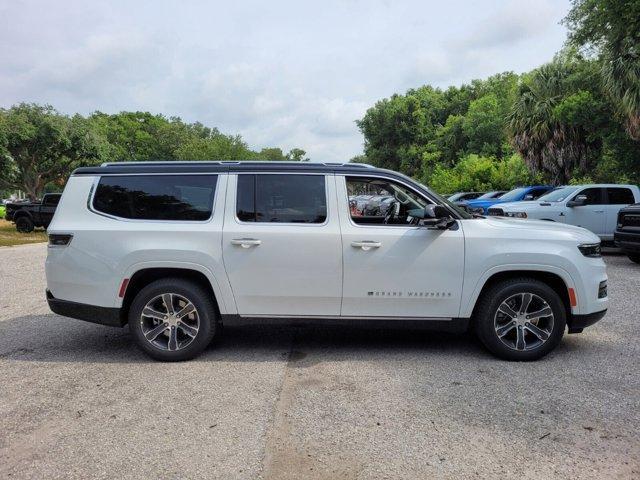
(557,195)
(488,195)
(514,194)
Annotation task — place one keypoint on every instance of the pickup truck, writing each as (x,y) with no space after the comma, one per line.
(594,207)
(28,215)
(627,234)
(178,249)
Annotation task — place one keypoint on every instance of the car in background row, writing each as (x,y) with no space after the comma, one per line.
(28,215)
(627,234)
(594,207)
(485,196)
(515,195)
(464,196)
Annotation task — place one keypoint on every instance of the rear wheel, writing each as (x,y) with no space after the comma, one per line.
(173,319)
(634,258)
(24,224)
(520,319)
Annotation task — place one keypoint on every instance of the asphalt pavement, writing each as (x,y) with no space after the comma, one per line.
(78,400)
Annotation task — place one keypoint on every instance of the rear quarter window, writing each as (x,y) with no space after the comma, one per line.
(156,197)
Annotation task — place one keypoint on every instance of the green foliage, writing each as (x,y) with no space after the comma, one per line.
(477,173)
(39,147)
(611,30)
(42,146)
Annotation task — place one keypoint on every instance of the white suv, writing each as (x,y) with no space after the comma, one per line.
(594,207)
(176,249)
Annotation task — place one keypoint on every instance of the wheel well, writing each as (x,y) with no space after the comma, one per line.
(551,279)
(144,277)
(20,214)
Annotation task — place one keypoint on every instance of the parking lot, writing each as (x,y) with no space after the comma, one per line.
(79,401)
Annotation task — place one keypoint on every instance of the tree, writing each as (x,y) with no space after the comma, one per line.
(611,29)
(544,139)
(297,155)
(43,146)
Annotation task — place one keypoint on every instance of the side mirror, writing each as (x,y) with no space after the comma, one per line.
(433,216)
(578,201)
(528,196)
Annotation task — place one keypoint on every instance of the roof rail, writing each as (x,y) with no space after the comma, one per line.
(231,162)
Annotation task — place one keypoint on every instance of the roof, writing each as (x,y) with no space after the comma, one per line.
(220,166)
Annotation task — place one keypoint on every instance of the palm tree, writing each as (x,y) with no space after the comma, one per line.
(621,78)
(545,143)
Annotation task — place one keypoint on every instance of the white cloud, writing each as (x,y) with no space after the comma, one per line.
(289,73)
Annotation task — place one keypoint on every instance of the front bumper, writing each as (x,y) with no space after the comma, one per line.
(89,313)
(577,323)
(629,242)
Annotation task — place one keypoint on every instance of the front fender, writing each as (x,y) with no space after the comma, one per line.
(473,292)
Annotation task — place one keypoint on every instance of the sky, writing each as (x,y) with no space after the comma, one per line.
(280,73)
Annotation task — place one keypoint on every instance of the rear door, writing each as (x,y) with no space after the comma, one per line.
(591,215)
(617,198)
(281,244)
(393,268)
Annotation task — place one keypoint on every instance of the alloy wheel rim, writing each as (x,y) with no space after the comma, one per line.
(170,322)
(524,321)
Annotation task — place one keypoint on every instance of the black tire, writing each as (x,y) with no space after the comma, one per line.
(634,258)
(24,224)
(205,311)
(487,311)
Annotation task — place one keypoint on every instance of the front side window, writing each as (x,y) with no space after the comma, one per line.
(281,198)
(594,196)
(620,196)
(156,197)
(377,201)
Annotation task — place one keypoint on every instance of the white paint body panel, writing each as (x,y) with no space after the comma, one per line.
(415,272)
(312,270)
(295,270)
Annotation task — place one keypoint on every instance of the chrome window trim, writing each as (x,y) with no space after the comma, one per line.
(96,181)
(275,224)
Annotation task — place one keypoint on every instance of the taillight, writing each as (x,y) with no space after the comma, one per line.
(59,239)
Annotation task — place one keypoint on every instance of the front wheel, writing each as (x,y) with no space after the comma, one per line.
(173,319)
(520,319)
(24,225)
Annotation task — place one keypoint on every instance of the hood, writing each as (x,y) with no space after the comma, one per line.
(482,203)
(542,228)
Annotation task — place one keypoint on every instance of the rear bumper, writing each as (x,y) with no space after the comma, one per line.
(579,322)
(89,313)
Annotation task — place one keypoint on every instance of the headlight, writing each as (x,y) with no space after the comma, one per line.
(516,214)
(590,249)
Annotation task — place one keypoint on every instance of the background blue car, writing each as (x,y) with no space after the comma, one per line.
(516,195)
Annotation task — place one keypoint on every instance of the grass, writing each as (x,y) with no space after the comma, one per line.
(10,236)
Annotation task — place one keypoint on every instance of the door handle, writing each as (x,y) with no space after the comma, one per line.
(366,244)
(598,211)
(246,242)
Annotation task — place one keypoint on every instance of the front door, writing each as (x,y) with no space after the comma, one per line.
(281,244)
(392,267)
(591,215)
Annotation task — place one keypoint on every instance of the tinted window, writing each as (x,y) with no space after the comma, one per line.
(620,196)
(156,197)
(281,198)
(51,200)
(537,192)
(594,196)
(514,194)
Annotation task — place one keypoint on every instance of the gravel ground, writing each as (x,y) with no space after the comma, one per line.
(79,401)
